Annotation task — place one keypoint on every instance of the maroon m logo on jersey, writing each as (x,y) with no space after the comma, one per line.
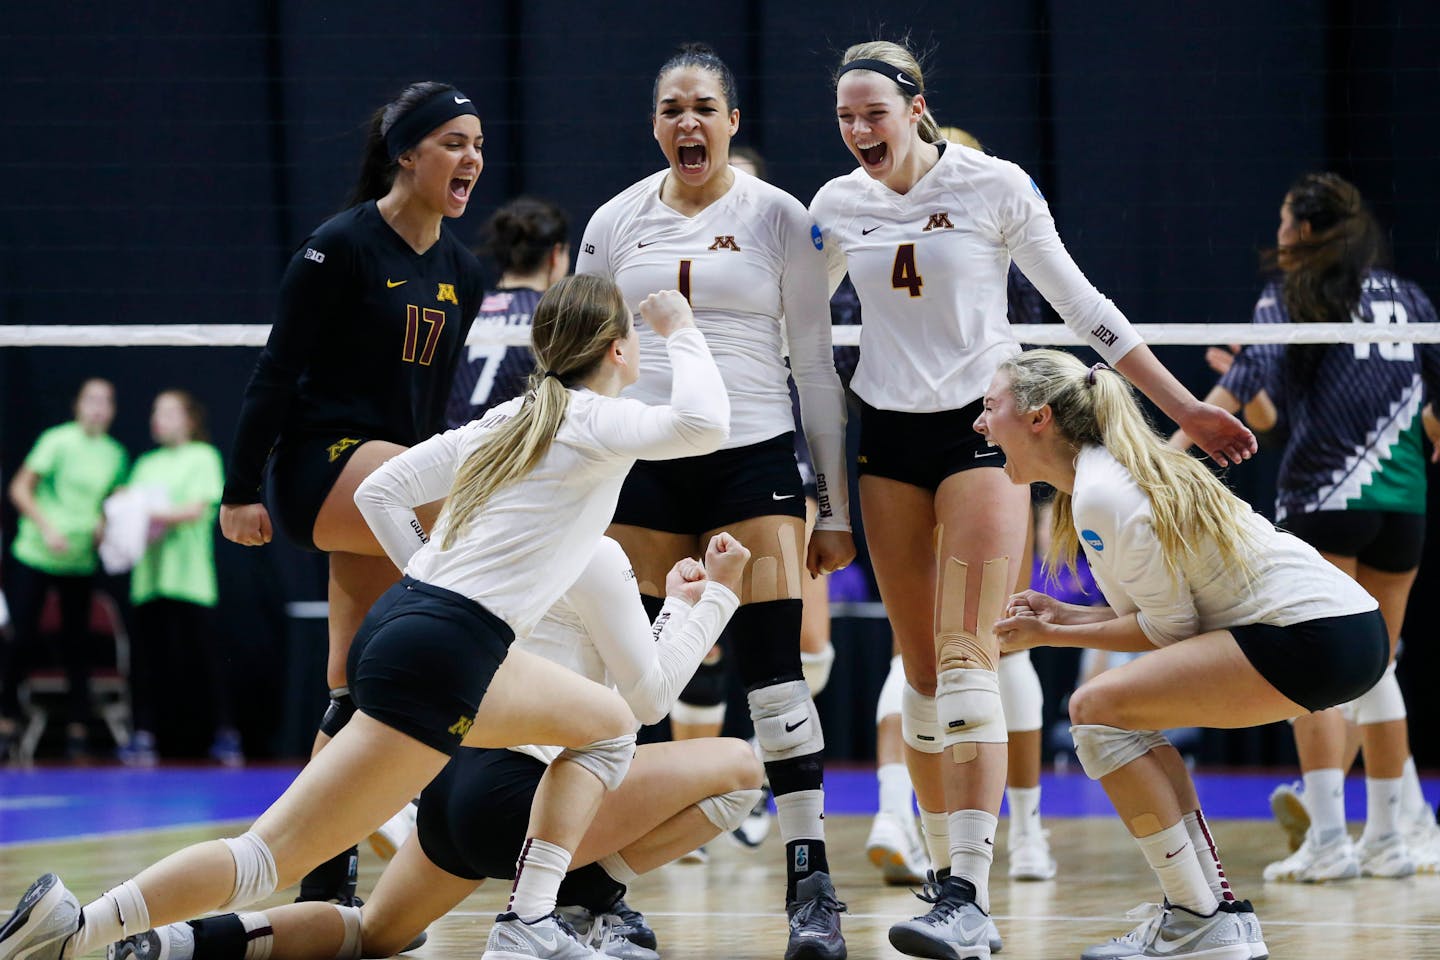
(939,221)
(725,243)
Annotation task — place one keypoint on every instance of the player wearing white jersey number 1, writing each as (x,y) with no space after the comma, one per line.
(747,257)
(927,232)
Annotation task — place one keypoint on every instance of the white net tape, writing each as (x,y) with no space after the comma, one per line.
(1194,334)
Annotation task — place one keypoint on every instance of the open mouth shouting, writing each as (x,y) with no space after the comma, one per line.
(460,188)
(691,157)
(874,154)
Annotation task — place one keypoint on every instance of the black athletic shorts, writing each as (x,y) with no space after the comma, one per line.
(423,659)
(1386,540)
(922,449)
(1319,663)
(474,816)
(302,471)
(693,495)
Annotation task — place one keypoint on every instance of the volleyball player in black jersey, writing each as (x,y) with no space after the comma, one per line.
(528,237)
(374,308)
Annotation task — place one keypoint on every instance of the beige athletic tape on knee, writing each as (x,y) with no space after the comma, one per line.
(350,948)
(815,667)
(791,560)
(1382,703)
(255,874)
(1020,693)
(1103,749)
(728,810)
(919,720)
(609,760)
(956,647)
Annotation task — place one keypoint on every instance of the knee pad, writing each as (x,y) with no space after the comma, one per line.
(892,692)
(728,810)
(919,719)
(350,948)
(815,667)
(609,760)
(341,709)
(765,639)
(956,647)
(1102,749)
(1382,703)
(1020,693)
(786,723)
(967,704)
(130,906)
(255,873)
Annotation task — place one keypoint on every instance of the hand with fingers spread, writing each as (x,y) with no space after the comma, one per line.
(247,524)
(725,560)
(686,581)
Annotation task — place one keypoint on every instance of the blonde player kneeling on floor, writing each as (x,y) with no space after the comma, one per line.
(472,817)
(1252,625)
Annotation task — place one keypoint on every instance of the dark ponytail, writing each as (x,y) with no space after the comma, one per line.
(521,234)
(377,170)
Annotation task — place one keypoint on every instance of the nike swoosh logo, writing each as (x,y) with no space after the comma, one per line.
(992,453)
(645,243)
(901,78)
(866,233)
(461,99)
(1176,853)
(989,841)
(788,496)
(797,725)
(392,284)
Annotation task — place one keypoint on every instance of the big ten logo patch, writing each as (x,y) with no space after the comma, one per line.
(725,243)
(312,254)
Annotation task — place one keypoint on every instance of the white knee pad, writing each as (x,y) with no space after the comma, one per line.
(786,724)
(967,703)
(728,810)
(919,720)
(892,693)
(1382,703)
(815,667)
(689,713)
(255,873)
(609,759)
(1020,693)
(351,948)
(1103,750)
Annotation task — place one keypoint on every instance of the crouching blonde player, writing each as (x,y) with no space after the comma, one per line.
(472,817)
(1252,625)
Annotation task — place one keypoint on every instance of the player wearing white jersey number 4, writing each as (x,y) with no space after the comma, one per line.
(927,232)
(747,257)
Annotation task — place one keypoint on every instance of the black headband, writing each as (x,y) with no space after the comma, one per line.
(412,126)
(903,80)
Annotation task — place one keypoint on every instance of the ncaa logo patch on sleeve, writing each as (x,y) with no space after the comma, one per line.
(1093,539)
(816,238)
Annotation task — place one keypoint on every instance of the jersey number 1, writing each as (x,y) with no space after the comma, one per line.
(684,284)
(413,316)
(904,274)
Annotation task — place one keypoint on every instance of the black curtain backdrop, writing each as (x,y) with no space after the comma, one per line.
(162,162)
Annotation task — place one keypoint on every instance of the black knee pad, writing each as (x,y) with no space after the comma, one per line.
(800,773)
(590,887)
(333,880)
(707,687)
(766,640)
(341,709)
(222,937)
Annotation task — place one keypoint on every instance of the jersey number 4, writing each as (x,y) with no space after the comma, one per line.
(413,316)
(904,275)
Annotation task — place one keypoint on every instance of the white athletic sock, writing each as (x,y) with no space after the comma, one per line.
(972,850)
(1413,808)
(1325,799)
(1382,808)
(1173,858)
(617,869)
(260,938)
(801,815)
(1024,811)
(895,793)
(538,873)
(118,913)
(1207,854)
(936,829)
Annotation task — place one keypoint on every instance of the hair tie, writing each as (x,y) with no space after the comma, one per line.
(552,373)
(1090,377)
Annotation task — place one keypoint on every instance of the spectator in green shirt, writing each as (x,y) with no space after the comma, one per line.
(173,588)
(59,492)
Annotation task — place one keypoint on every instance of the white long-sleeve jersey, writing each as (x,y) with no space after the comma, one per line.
(599,630)
(930,268)
(1288,581)
(751,266)
(530,540)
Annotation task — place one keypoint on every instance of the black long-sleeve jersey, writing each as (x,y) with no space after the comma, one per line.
(365,342)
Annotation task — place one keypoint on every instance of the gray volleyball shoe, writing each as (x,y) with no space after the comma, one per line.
(44,920)
(549,938)
(955,928)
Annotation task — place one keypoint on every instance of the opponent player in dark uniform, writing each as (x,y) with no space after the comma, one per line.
(1351,484)
(528,239)
(374,308)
